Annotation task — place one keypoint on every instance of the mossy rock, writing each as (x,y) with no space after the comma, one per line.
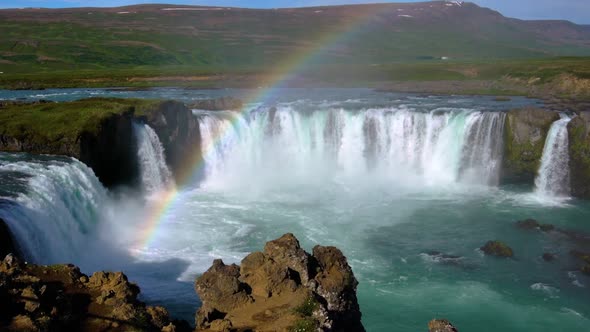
(525,132)
(497,248)
(579,150)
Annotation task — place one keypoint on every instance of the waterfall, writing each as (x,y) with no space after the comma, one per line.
(155,175)
(50,204)
(553,178)
(441,146)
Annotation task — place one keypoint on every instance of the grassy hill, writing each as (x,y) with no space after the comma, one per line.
(407,40)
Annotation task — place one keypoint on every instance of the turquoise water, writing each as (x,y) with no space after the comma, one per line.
(386,217)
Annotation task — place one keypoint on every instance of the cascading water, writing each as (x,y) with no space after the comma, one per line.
(155,175)
(51,205)
(330,166)
(441,146)
(553,178)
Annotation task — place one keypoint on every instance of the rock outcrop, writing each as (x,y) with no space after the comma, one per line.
(530,224)
(441,325)
(525,132)
(579,150)
(497,248)
(110,151)
(6,242)
(61,298)
(584,260)
(282,288)
(178,131)
(219,104)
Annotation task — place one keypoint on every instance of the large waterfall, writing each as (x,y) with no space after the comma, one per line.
(155,175)
(51,205)
(553,178)
(436,147)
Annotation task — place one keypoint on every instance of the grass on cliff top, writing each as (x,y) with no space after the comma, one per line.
(65,121)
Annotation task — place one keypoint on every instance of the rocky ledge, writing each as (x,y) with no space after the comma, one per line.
(282,288)
(61,298)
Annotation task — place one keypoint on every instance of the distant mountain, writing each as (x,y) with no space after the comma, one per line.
(172,35)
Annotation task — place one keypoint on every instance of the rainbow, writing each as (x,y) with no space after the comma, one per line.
(280,76)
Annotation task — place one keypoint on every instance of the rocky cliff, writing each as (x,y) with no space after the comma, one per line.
(525,132)
(99,132)
(282,288)
(579,149)
(178,131)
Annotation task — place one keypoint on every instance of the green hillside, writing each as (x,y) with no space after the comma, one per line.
(165,35)
(132,45)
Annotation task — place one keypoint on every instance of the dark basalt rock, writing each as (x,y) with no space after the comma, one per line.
(497,248)
(178,131)
(441,325)
(219,104)
(279,289)
(61,298)
(111,151)
(6,242)
(529,224)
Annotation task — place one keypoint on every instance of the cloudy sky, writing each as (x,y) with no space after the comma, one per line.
(574,10)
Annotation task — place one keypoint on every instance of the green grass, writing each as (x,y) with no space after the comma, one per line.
(64,122)
(304,325)
(307,308)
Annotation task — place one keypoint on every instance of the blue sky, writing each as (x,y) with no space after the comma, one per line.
(574,10)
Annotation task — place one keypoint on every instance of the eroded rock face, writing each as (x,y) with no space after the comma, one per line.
(61,298)
(579,149)
(280,289)
(525,132)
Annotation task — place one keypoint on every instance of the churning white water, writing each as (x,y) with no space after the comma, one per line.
(553,178)
(51,206)
(278,144)
(155,175)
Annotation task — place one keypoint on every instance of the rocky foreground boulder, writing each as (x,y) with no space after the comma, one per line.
(61,298)
(282,288)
